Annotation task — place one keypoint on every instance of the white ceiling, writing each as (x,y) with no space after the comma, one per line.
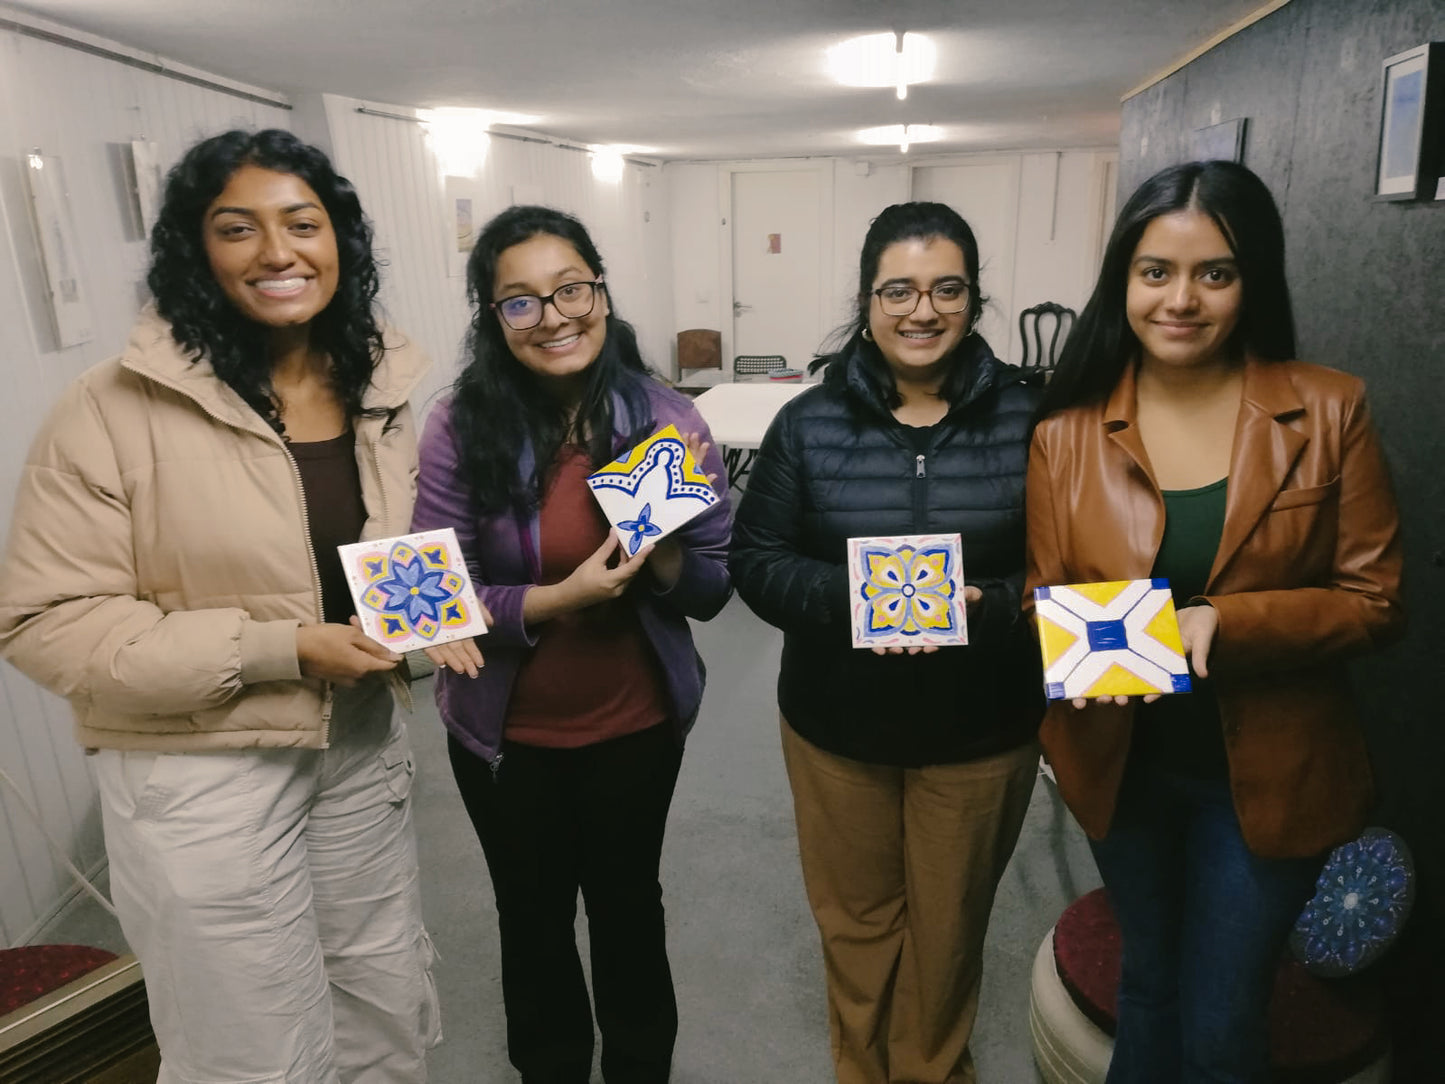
(688,78)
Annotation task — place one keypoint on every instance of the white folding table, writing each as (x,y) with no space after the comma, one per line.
(739,414)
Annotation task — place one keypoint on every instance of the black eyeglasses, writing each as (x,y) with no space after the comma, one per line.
(524,311)
(946,298)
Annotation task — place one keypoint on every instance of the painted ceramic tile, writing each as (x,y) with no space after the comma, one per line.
(1110,639)
(652,490)
(412,591)
(907,590)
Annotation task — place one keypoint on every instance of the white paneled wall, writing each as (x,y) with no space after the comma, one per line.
(1064,201)
(404,194)
(85,110)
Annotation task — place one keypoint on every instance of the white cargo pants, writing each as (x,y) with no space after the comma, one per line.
(271,897)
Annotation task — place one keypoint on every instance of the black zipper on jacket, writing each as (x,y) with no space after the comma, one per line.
(920,493)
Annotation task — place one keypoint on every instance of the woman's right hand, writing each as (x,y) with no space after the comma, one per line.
(340,654)
(593,581)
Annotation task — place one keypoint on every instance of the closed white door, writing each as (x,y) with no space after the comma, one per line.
(776,265)
(986,194)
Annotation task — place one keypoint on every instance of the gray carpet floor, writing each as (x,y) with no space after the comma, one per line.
(743,945)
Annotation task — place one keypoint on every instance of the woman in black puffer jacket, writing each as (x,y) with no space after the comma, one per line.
(911,769)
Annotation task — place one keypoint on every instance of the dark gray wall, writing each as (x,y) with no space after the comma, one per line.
(1368,281)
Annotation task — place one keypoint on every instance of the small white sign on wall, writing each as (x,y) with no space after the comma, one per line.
(55,232)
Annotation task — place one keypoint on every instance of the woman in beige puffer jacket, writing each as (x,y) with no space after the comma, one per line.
(172,571)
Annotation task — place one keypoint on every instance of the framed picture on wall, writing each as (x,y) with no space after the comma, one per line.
(1410,118)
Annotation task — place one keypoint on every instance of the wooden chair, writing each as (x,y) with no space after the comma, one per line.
(1031,323)
(698,348)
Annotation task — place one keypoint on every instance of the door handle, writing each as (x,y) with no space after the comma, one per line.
(739,308)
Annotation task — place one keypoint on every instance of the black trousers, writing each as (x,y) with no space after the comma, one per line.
(552,821)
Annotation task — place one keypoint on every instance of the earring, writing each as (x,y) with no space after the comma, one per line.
(867,334)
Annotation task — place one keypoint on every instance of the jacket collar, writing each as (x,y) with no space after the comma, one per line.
(1265,446)
(846,371)
(152,352)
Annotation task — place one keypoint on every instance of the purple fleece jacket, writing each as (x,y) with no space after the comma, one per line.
(503,554)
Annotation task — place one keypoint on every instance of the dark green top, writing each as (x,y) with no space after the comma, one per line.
(1181,732)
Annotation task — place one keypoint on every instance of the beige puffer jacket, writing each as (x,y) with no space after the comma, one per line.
(159,560)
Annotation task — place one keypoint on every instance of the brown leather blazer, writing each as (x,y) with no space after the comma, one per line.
(1307,575)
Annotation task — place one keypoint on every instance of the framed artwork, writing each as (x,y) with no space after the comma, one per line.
(907,591)
(55,231)
(412,591)
(652,490)
(1119,638)
(1408,163)
(1223,141)
(463,209)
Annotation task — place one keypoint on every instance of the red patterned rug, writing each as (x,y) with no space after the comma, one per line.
(34,970)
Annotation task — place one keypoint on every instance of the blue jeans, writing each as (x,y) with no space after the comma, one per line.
(1203,922)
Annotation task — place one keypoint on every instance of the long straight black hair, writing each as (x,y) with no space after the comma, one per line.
(1101,344)
(906,222)
(499,406)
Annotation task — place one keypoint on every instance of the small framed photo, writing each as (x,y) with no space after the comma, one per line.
(1410,118)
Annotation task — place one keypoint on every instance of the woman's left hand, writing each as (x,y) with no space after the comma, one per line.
(699,448)
(666,559)
(1197,626)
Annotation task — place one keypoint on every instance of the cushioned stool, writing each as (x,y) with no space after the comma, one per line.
(73,1013)
(1321,1031)
(30,971)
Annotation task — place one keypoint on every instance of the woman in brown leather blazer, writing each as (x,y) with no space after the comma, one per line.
(1179,440)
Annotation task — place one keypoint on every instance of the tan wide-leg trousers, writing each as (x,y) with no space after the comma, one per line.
(901,865)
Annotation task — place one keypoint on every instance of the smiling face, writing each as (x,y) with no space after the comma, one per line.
(560,348)
(1184,294)
(271,247)
(916,345)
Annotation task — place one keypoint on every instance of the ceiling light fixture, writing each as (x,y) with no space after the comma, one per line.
(884,60)
(608,158)
(458,136)
(903,134)
(607,164)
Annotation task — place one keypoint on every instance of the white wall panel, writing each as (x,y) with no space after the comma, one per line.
(1054,260)
(404,194)
(85,110)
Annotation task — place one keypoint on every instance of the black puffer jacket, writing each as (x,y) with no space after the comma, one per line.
(836,464)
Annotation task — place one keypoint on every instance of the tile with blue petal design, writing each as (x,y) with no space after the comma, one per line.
(907,591)
(412,591)
(652,490)
(1119,638)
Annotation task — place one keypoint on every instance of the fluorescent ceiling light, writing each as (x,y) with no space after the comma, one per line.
(607,165)
(458,137)
(903,135)
(883,60)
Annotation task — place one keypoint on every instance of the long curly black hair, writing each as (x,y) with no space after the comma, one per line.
(205,322)
(499,406)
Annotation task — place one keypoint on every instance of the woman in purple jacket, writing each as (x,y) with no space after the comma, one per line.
(567,745)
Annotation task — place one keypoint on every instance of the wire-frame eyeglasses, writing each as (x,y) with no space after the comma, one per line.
(946,298)
(521,312)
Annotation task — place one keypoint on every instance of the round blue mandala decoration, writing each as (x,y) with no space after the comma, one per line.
(1361,901)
